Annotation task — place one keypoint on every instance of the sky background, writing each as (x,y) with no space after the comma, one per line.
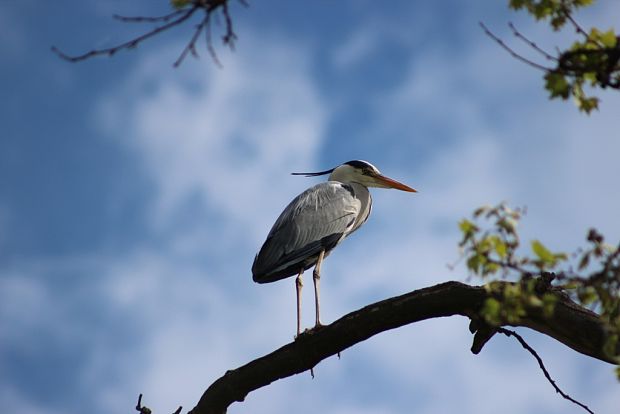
(134,196)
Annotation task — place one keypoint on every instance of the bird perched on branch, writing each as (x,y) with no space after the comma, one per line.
(313,224)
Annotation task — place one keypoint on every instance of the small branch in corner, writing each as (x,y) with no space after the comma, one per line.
(140,408)
(531,350)
(145,410)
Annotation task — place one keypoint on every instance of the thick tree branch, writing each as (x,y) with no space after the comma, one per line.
(570,324)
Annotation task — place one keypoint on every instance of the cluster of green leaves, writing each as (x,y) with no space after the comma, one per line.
(179,4)
(556,11)
(509,303)
(490,245)
(493,250)
(592,61)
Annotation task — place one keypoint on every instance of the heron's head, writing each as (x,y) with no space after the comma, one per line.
(361,172)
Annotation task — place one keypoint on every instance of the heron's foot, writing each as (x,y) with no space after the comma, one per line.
(317,327)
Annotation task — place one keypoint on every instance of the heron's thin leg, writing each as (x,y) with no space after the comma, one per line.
(298,285)
(317,277)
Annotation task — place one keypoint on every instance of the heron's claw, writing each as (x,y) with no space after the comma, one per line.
(317,327)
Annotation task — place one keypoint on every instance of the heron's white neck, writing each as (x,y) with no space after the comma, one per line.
(363,195)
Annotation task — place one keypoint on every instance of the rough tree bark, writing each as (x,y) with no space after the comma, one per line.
(570,324)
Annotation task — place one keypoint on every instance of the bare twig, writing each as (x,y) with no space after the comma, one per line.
(580,30)
(230,37)
(146,19)
(169,21)
(210,47)
(577,26)
(129,44)
(512,52)
(191,46)
(533,45)
(531,350)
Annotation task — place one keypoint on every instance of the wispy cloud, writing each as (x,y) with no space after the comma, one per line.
(223,136)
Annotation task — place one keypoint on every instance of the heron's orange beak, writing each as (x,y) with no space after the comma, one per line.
(388,182)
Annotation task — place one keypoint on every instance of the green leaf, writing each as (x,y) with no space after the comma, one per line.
(508,224)
(512,292)
(473,263)
(587,295)
(489,268)
(543,253)
(517,4)
(587,105)
(585,260)
(534,301)
(478,263)
(609,348)
(484,245)
(500,247)
(572,285)
(179,4)
(557,85)
(549,301)
(607,39)
(491,311)
(467,227)
(481,210)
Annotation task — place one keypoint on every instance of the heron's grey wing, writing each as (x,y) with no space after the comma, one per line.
(315,220)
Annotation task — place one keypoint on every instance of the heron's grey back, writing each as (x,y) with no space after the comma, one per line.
(315,220)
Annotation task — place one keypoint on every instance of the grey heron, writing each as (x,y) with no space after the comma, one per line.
(315,222)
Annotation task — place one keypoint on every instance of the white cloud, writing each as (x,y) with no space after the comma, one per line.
(224,136)
(16,402)
(359,46)
(13,41)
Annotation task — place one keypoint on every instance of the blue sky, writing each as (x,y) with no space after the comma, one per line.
(134,196)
